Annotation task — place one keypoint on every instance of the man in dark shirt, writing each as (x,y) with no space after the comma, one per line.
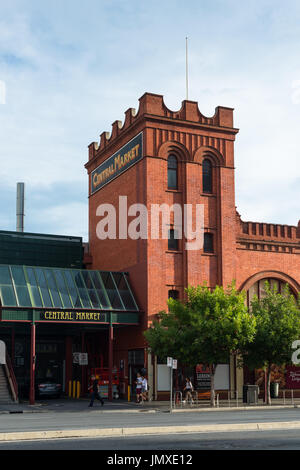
(95,391)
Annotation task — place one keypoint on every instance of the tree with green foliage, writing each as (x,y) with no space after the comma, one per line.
(205,329)
(277,318)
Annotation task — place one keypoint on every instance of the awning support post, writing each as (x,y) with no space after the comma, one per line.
(110,358)
(32,365)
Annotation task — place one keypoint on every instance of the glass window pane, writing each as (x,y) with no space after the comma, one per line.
(172,172)
(125,293)
(111,291)
(81,289)
(207,176)
(43,287)
(172,179)
(23,296)
(53,288)
(7,293)
(21,286)
(33,287)
(172,162)
(18,276)
(8,297)
(62,288)
(274,284)
(72,289)
(173,240)
(99,288)
(208,243)
(90,289)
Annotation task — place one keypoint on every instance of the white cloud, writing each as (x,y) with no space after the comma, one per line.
(66,219)
(72,68)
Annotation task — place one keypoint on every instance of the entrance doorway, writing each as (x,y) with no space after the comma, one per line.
(135,365)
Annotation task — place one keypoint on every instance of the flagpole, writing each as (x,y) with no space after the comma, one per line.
(186,68)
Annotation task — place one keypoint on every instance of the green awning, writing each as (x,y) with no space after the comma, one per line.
(37,287)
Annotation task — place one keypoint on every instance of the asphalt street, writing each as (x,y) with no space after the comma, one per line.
(98,418)
(253,440)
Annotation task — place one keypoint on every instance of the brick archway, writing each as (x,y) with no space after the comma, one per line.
(175,148)
(273,275)
(208,152)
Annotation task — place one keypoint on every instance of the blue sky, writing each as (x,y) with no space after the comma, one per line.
(71,68)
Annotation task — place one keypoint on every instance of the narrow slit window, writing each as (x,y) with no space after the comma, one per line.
(208,243)
(207,176)
(172,172)
(173,240)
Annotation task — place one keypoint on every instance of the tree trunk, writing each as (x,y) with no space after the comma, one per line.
(268,384)
(212,387)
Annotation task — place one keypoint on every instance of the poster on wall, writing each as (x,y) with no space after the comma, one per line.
(277,375)
(292,377)
(203,377)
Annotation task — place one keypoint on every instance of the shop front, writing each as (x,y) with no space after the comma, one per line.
(61,325)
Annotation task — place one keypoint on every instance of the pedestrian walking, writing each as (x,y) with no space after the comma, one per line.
(138,389)
(188,389)
(94,388)
(144,388)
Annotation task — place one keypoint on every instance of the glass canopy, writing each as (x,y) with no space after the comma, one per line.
(25,286)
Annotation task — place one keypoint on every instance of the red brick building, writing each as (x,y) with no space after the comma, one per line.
(184,158)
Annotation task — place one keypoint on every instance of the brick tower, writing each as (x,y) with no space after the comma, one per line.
(158,156)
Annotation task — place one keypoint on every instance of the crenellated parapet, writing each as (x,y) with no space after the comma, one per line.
(189,111)
(153,106)
(268,237)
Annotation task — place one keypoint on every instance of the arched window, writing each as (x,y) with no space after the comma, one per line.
(207,176)
(172,172)
(208,246)
(258,288)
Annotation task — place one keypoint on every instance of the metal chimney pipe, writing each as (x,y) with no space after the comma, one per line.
(20,206)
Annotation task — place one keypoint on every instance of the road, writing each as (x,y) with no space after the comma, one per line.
(274,440)
(166,434)
(98,419)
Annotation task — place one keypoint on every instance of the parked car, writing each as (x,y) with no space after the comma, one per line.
(49,388)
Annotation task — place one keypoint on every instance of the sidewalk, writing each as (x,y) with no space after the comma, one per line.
(122,406)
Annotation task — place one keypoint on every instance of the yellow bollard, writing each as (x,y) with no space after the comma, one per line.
(78,389)
(74,388)
(70,388)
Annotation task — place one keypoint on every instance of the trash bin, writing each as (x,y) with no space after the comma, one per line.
(274,389)
(250,394)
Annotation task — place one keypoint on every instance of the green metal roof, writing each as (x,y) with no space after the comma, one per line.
(43,287)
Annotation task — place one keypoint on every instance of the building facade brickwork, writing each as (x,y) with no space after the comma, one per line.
(242,251)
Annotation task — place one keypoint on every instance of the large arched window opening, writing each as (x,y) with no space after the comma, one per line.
(279,373)
(172,172)
(258,289)
(207,182)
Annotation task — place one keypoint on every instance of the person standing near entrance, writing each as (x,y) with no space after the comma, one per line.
(94,387)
